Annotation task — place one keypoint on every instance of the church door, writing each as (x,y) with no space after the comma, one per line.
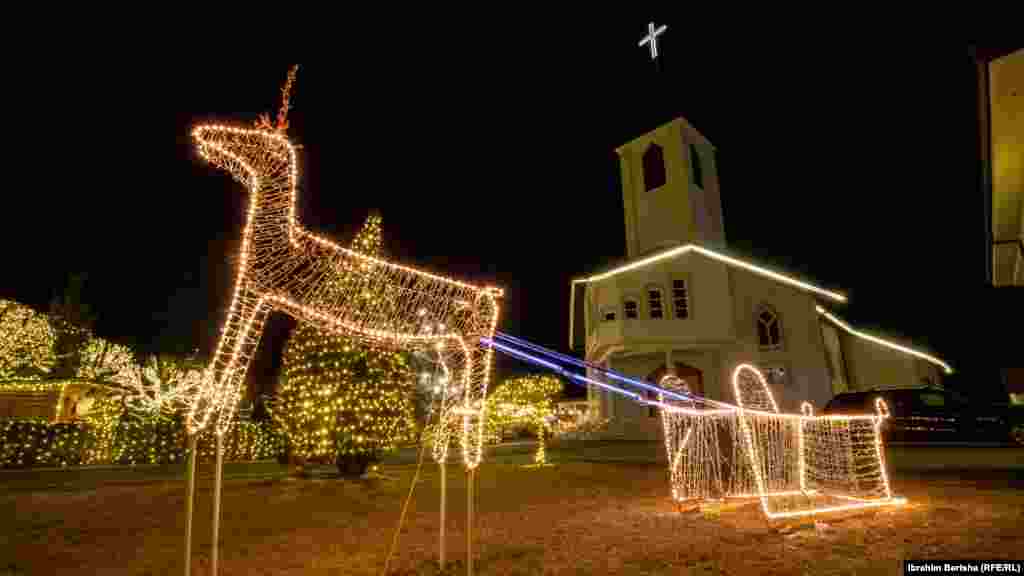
(694,381)
(693,376)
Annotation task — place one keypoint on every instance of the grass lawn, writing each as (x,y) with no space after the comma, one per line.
(573,518)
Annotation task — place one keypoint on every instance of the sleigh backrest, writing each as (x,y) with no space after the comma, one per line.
(751,389)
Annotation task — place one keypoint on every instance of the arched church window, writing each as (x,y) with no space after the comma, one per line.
(769,330)
(655,302)
(697,168)
(654,167)
(631,308)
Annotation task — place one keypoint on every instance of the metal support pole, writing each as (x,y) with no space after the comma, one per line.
(469,522)
(218,480)
(444,505)
(190,477)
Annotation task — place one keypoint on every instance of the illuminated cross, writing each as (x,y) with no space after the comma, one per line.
(652,38)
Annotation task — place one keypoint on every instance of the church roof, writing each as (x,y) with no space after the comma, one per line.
(677,251)
(886,343)
(676,119)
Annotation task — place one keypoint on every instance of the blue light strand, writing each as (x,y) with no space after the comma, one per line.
(560,370)
(621,378)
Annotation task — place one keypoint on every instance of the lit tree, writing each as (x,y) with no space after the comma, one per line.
(103,361)
(524,401)
(340,399)
(72,321)
(26,343)
(162,386)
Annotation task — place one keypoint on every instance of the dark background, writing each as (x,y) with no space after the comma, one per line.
(491,159)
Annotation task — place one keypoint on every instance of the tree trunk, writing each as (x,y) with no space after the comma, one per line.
(354,465)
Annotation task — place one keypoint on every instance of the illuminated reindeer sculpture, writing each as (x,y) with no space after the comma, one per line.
(286,268)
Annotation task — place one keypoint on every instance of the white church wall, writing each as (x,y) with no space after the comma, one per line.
(801,354)
(872,365)
(633,421)
(708,301)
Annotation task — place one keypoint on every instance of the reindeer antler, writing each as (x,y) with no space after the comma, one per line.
(282,115)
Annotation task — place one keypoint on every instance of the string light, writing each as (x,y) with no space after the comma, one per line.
(833,457)
(796,464)
(284,267)
(161,387)
(892,345)
(339,396)
(527,400)
(26,342)
(681,250)
(101,360)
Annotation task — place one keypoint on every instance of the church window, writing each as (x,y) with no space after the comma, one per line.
(654,167)
(769,332)
(697,168)
(608,315)
(680,299)
(631,309)
(654,302)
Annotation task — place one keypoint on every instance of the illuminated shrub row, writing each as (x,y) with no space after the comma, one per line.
(42,444)
(38,443)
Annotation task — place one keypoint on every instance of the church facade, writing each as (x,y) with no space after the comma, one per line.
(681,304)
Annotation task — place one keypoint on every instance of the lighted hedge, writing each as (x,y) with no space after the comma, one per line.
(37,443)
(41,444)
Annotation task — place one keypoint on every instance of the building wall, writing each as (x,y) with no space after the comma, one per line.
(835,358)
(677,212)
(719,333)
(1007,108)
(802,352)
(710,309)
(871,365)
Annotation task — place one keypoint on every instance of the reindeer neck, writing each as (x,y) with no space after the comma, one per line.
(271,204)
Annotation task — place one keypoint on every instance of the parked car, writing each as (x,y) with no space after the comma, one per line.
(928,414)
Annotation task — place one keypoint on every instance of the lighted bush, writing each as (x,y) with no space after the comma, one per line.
(41,444)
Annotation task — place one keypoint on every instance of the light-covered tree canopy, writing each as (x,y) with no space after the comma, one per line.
(163,385)
(26,343)
(103,361)
(523,401)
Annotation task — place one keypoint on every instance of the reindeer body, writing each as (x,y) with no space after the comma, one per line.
(284,267)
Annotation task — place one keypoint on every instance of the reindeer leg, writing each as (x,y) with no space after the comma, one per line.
(478,365)
(238,342)
(219,395)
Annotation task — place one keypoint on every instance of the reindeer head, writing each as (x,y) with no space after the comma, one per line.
(246,153)
(251,153)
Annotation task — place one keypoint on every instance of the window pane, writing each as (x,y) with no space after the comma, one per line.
(762,335)
(695,163)
(654,167)
(773,334)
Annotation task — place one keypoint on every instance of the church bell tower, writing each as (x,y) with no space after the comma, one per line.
(670,190)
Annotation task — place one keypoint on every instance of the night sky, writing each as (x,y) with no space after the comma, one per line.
(491,159)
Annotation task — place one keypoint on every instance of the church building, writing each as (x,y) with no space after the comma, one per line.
(681,304)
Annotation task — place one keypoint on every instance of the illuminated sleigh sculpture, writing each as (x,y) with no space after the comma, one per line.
(796,464)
